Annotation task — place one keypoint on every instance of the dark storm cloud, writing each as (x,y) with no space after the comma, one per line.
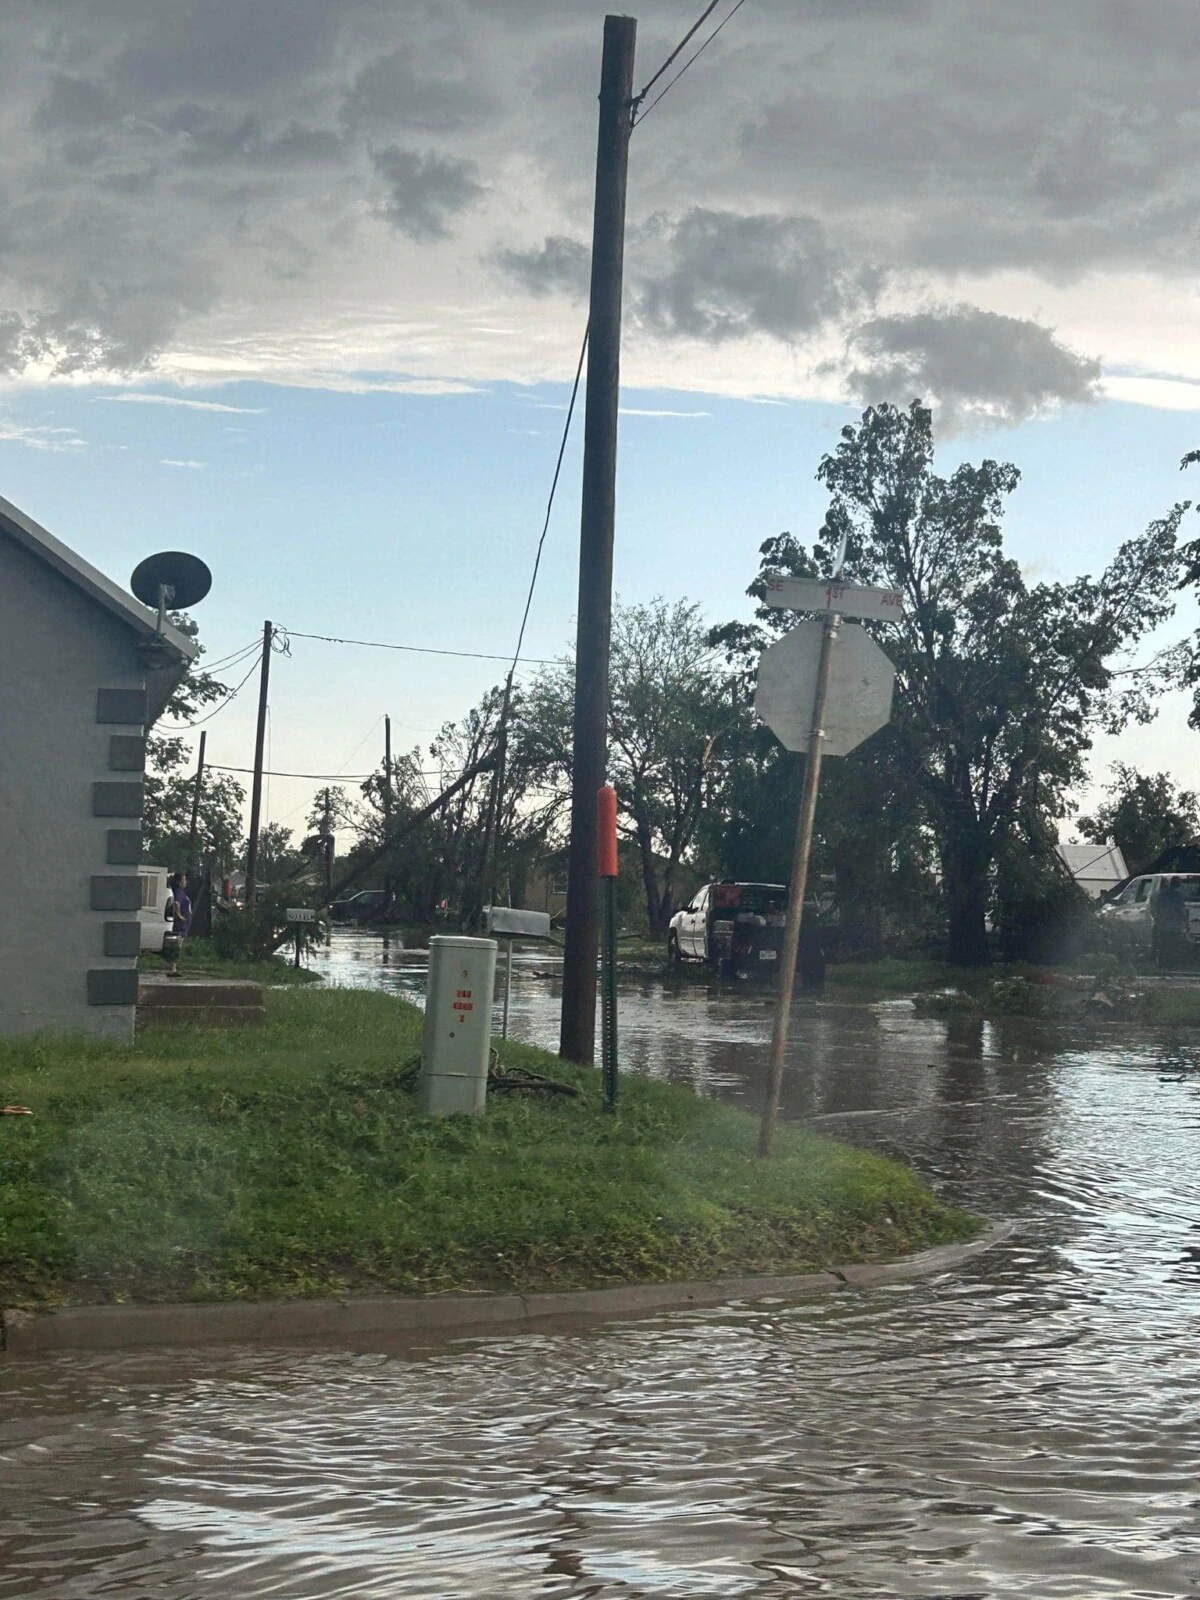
(728,275)
(976,365)
(559,266)
(162,158)
(424,191)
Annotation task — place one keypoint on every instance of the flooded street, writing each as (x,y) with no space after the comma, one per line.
(1026,1425)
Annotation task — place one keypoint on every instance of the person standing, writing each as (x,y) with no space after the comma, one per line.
(179,910)
(1170,923)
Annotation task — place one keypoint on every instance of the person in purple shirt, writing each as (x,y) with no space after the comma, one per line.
(179,914)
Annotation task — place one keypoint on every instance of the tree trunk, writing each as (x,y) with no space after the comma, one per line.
(966,878)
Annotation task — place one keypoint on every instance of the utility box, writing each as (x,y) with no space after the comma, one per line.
(458,1027)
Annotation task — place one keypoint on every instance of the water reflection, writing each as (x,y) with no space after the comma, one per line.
(1025,1426)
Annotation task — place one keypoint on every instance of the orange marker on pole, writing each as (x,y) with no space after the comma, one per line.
(606,839)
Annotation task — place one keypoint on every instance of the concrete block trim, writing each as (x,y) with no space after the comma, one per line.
(122,705)
(116,799)
(123,939)
(112,986)
(126,752)
(112,893)
(124,847)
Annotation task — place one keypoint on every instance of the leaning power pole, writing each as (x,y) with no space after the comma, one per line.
(577,1037)
(264,680)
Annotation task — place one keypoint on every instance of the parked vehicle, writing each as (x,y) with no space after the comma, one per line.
(360,907)
(734,926)
(1128,917)
(152,914)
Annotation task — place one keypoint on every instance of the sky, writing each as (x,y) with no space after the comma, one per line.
(299,285)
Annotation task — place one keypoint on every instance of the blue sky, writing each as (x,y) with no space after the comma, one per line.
(413,519)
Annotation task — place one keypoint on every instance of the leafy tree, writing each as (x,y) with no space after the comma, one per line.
(170,782)
(1145,814)
(668,707)
(1000,684)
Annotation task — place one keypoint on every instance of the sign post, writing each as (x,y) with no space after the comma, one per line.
(508,923)
(299,917)
(608,867)
(812,707)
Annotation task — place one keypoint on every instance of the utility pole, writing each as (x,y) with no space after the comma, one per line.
(264,680)
(387,805)
(577,1038)
(192,831)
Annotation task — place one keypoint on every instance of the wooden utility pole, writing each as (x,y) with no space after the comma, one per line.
(264,680)
(192,831)
(577,1038)
(387,805)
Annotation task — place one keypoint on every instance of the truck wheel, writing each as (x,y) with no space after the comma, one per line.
(674,954)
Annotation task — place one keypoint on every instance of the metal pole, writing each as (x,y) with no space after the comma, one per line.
(608,1010)
(577,1039)
(191,850)
(795,912)
(507,984)
(256,789)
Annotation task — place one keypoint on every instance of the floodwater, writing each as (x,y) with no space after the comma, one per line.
(1028,1424)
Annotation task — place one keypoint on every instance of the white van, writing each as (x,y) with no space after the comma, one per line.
(154,904)
(1129,916)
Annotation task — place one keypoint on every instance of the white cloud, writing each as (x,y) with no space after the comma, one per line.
(133,398)
(649,411)
(194,466)
(36,437)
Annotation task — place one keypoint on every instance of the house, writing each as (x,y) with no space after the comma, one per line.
(84,672)
(1096,868)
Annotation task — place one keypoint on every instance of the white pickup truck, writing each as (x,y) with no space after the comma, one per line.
(736,926)
(1129,917)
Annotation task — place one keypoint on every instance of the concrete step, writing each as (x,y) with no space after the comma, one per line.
(211,1002)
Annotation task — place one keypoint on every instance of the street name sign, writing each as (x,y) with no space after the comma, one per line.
(301,914)
(844,599)
(860,688)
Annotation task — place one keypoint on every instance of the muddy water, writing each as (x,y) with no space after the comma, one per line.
(1027,1425)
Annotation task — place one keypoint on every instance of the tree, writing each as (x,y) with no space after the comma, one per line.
(668,707)
(1000,685)
(1144,814)
(170,782)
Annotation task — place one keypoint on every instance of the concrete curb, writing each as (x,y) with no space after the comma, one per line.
(281,1322)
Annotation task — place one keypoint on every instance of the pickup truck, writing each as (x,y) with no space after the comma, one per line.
(1128,917)
(734,926)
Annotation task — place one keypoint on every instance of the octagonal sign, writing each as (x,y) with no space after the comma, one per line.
(860,688)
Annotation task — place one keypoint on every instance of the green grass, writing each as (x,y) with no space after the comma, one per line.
(212,1165)
(199,961)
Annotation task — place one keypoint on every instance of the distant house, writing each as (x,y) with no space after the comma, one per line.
(1096,868)
(84,672)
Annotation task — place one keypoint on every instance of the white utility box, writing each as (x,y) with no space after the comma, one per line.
(458,1026)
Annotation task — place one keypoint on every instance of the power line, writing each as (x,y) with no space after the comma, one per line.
(417,649)
(232,695)
(232,660)
(562,448)
(690,34)
(320,777)
(642,115)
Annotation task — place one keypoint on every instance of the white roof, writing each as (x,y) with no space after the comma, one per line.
(34,538)
(1094,863)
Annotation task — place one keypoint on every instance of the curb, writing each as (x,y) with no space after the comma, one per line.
(280,1322)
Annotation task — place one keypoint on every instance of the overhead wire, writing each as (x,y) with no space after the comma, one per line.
(681,46)
(640,115)
(416,649)
(229,698)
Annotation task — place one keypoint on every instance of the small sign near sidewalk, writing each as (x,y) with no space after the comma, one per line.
(301,914)
(835,598)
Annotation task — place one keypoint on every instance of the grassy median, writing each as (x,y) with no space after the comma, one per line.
(290,1160)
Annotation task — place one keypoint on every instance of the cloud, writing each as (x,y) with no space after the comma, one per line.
(976,365)
(194,466)
(36,437)
(425,191)
(558,266)
(132,398)
(649,411)
(726,276)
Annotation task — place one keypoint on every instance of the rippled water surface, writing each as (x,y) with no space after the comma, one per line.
(1026,1425)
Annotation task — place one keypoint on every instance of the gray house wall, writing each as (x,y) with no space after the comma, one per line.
(70,804)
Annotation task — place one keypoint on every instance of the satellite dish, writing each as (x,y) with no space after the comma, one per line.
(171,578)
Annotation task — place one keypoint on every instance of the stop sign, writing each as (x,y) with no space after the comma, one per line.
(860,688)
